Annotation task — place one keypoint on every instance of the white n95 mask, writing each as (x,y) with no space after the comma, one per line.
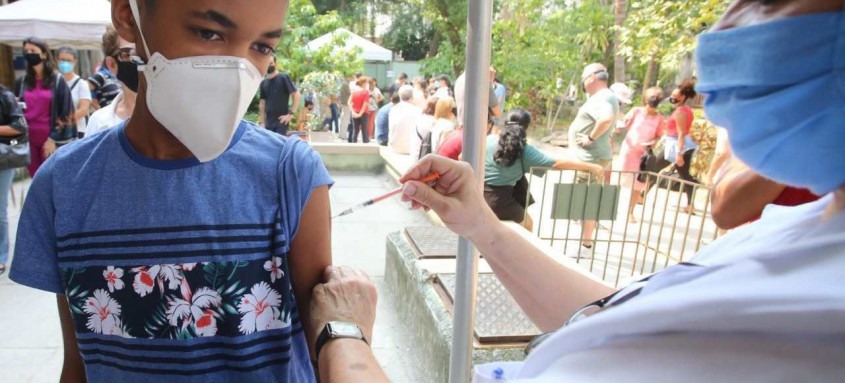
(200,100)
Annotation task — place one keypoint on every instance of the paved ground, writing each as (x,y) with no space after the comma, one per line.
(30,340)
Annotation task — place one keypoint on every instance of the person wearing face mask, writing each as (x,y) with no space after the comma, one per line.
(274,108)
(185,244)
(678,146)
(79,89)
(123,55)
(104,85)
(644,126)
(47,102)
(761,304)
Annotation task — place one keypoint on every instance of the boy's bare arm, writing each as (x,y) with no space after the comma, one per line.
(73,370)
(311,253)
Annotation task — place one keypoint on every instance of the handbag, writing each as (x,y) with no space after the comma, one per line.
(65,134)
(520,190)
(14,151)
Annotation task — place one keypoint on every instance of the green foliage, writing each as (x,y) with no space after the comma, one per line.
(321,85)
(667,29)
(305,24)
(535,43)
(410,33)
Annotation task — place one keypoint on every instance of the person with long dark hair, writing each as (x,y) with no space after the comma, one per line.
(509,157)
(678,145)
(48,106)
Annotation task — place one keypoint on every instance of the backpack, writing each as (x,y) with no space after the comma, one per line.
(425,147)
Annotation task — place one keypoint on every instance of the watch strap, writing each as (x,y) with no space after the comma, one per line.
(327,335)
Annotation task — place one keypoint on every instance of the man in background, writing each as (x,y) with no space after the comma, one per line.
(589,133)
(274,111)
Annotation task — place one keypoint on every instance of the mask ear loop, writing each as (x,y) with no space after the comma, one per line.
(133,4)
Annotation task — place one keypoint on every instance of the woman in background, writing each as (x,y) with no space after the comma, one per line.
(424,126)
(12,124)
(644,127)
(444,122)
(509,157)
(48,106)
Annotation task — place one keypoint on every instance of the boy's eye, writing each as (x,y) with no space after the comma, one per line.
(206,34)
(265,49)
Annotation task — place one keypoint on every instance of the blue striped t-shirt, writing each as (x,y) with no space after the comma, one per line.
(174,270)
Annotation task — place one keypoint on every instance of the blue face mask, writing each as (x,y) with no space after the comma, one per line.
(65,67)
(779,90)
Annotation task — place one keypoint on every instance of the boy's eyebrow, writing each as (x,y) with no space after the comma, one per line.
(215,17)
(274,34)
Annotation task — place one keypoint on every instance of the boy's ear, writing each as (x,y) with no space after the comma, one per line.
(124,23)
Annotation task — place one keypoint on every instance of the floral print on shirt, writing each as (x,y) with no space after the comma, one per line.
(180,301)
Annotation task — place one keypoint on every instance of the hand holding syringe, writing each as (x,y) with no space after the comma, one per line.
(429,178)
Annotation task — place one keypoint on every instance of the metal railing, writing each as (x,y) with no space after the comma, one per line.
(664,232)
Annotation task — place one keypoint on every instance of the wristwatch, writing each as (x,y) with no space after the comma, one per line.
(339,330)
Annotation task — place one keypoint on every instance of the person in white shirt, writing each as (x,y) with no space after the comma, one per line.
(764,303)
(423,126)
(80,91)
(126,70)
(402,120)
(444,121)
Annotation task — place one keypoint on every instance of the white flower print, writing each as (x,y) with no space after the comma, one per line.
(148,277)
(113,276)
(145,279)
(260,309)
(104,314)
(195,309)
(274,266)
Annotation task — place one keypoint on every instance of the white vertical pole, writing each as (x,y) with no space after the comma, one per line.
(479,27)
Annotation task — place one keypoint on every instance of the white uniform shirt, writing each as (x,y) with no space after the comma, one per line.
(766,304)
(104,118)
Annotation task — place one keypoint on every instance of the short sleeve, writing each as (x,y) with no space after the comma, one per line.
(302,171)
(262,94)
(289,85)
(601,109)
(36,262)
(83,90)
(536,158)
(494,100)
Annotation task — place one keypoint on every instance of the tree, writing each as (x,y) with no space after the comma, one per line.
(660,33)
(620,13)
(305,24)
(409,33)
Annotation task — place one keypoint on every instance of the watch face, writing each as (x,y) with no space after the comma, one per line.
(345,329)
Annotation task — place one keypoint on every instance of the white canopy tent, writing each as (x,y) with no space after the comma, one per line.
(371,50)
(76,23)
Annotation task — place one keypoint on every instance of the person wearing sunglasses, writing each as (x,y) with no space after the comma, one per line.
(125,66)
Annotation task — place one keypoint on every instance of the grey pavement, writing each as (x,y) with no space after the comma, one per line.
(30,337)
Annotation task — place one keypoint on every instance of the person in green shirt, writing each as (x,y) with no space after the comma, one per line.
(509,157)
(589,134)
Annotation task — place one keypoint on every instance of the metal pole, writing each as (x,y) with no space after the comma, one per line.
(479,27)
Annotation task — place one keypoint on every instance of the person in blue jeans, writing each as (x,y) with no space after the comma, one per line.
(12,123)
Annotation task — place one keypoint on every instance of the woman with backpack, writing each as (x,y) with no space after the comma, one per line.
(508,158)
(47,103)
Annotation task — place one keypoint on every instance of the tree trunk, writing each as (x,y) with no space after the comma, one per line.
(620,12)
(651,74)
